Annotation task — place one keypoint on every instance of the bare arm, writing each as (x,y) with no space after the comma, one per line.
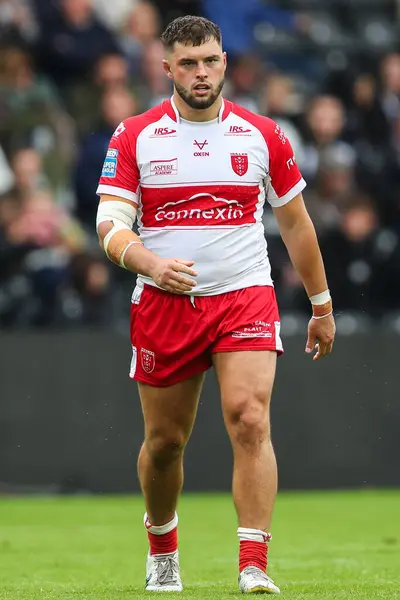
(299,237)
(298,234)
(126,249)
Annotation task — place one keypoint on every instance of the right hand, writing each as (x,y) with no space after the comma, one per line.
(170,274)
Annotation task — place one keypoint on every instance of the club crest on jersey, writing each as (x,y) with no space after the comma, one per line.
(148,360)
(240,163)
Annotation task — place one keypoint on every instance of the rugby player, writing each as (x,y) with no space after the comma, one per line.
(196,172)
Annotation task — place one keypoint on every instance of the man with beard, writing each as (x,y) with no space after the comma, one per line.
(196,172)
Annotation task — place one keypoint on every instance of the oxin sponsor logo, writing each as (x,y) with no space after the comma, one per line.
(200,145)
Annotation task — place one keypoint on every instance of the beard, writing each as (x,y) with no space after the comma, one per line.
(199,103)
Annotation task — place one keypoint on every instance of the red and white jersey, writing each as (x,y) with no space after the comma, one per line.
(200,189)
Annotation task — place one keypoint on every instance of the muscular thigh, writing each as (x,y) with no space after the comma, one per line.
(246,380)
(170,411)
(169,338)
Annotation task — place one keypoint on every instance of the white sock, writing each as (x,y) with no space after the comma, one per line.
(253,535)
(160,529)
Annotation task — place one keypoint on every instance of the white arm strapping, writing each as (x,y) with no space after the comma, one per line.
(121,214)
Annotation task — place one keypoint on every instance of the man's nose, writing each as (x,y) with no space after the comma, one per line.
(201,72)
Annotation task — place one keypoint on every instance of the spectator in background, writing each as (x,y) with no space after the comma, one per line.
(117,104)
(37,240)
(362,261)
(334,188)
(17,20)
(113,14)
(369,130)
(245,77)
(71,42)
(142,28)
(156,87)
(84,99)
(32,114)
(28,171)
(88,301)
(279,102)
(324,126)
(390,82)
(366,119)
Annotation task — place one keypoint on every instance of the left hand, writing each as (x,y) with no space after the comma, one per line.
(321,335)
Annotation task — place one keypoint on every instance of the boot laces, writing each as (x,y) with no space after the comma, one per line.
(167,570)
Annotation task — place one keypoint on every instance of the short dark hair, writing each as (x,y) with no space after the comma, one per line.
(190,30)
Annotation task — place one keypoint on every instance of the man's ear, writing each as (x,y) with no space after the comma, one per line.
(167,68)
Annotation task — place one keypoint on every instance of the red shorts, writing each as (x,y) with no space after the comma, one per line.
(173,337)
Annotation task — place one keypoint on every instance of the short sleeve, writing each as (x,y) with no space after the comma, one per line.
(285,179)
(120,173)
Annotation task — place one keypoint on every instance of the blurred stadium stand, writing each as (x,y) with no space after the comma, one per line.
(327,70)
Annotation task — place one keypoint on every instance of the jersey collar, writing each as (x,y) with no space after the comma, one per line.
(171,110)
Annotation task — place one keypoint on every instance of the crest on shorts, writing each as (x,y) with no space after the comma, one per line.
(240,163)
(148,360)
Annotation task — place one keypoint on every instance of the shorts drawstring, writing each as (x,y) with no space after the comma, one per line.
(192,301)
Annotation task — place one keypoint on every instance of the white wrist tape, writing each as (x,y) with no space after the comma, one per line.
(111,233)
(321,298)
(122,259)
(121,214)
(323,316)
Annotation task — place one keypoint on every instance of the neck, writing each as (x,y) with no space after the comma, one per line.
(196,114)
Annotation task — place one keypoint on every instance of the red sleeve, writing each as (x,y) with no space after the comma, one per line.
(120,175)
(286,180)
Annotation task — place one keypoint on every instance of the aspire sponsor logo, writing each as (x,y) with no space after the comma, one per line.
(164,167)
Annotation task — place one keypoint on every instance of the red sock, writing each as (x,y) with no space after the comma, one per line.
(253,548)
(163,539)
(166,543)
(253,554)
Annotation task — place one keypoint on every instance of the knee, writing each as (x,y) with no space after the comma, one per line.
(248,423)
(164,448)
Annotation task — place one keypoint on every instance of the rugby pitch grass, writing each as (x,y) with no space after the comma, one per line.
(327,545)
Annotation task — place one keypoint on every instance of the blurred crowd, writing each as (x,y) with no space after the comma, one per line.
(71,70)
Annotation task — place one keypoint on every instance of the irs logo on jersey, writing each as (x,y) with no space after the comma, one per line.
(240,163)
